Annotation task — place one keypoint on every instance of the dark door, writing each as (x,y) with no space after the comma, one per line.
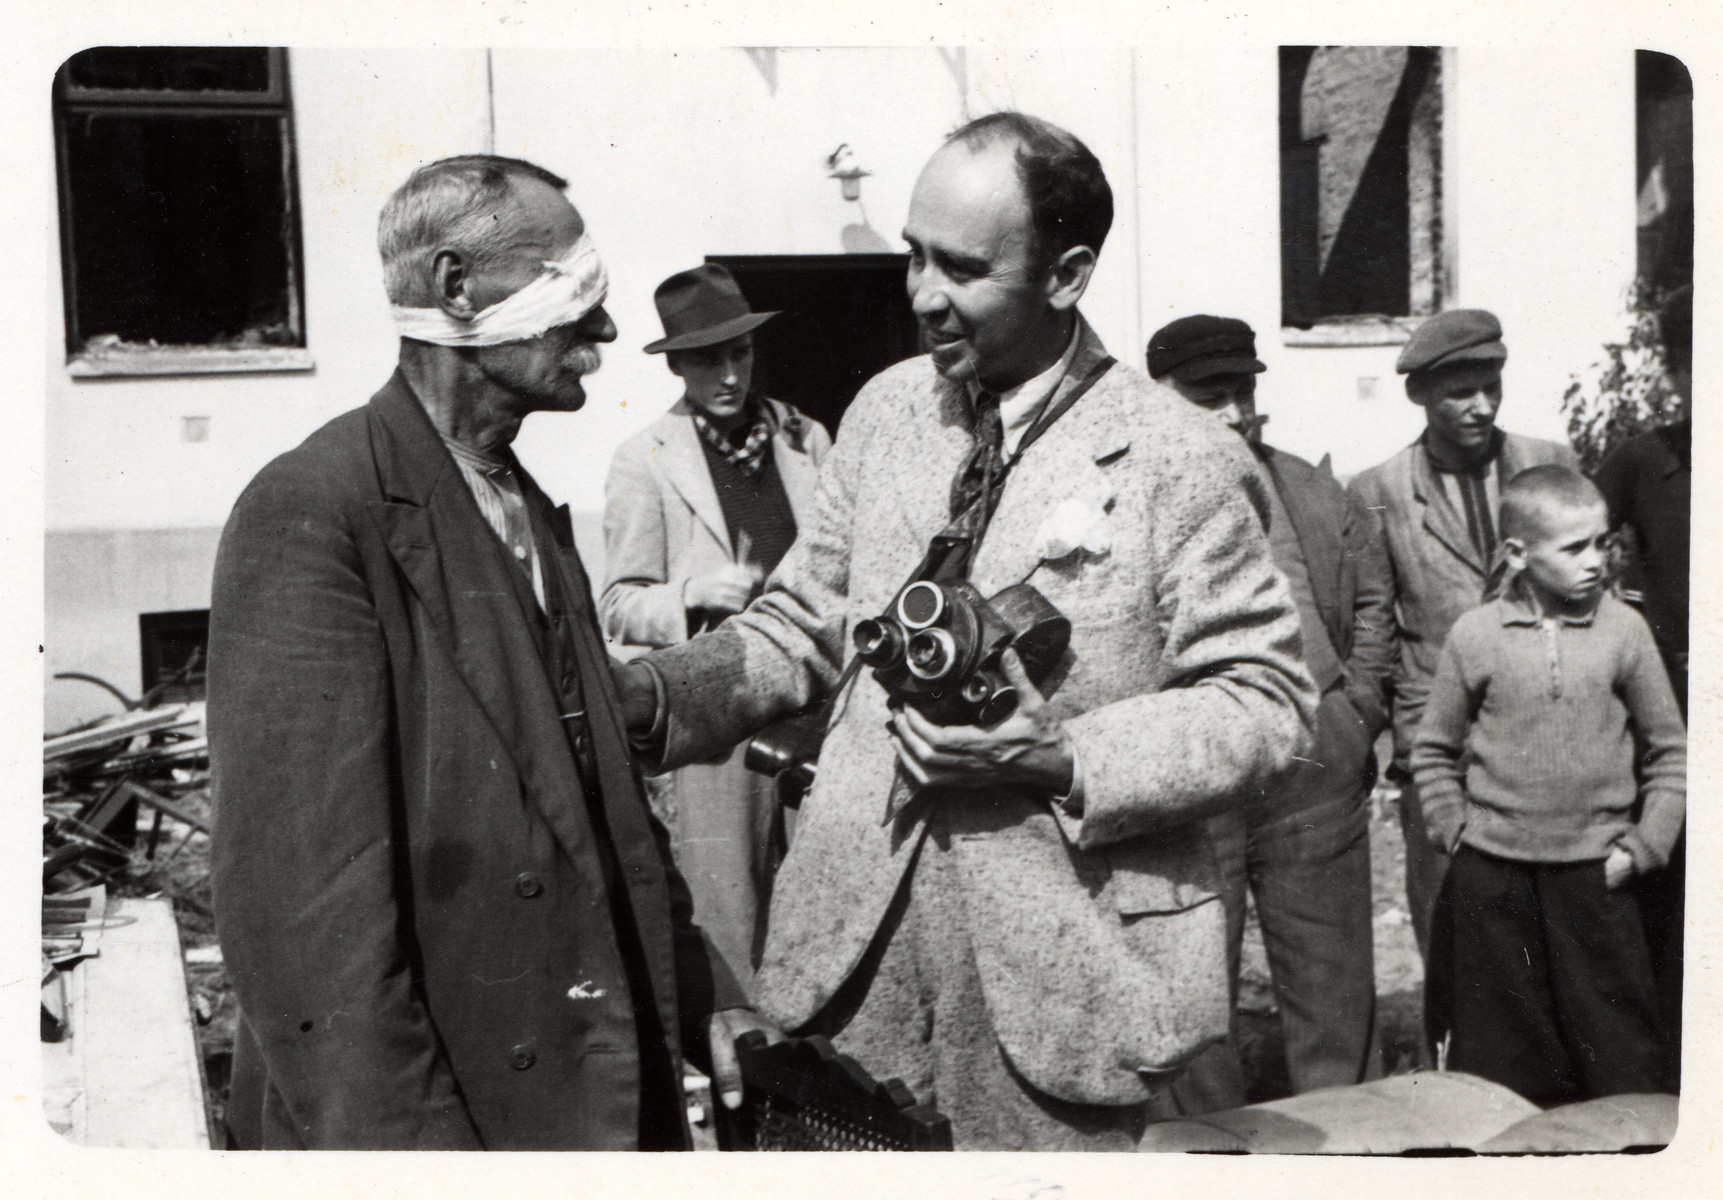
(846,317)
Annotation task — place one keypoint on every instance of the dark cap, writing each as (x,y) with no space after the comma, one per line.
(1200,346)
(1456,336)
(702,307)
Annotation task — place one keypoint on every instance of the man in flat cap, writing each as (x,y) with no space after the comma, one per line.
(1302,844)
(699,508)
(1438,502)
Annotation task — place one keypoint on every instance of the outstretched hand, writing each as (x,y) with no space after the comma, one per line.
(726,1026)
(1029,746)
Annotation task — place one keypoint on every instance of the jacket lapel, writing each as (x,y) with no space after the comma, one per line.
(456,567)
(684,465)
(1441,518)
(1314,523)
(797,471)
(1066,463)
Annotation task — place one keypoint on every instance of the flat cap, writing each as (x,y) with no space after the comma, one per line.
(1456,336)
(1200,346)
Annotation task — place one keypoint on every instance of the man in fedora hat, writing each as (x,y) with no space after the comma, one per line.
(699,508)
(1302,845)
(1438,501)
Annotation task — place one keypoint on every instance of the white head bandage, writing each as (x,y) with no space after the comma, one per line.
(570,287)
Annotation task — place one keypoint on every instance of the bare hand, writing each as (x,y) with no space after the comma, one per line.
(1030,746)
(1617,868)
(726,1026)
(726,590)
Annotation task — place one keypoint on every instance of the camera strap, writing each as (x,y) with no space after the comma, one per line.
(951,552)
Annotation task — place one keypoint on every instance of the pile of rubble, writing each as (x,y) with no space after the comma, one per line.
(126,813)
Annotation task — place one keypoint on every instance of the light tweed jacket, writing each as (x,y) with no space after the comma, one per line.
(1099,939)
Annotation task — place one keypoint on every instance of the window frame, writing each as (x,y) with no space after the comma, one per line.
(276,103)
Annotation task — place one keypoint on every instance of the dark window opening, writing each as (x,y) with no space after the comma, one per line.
(1360,182)
(179,223)
(188,69)
(175,651)
(846,317)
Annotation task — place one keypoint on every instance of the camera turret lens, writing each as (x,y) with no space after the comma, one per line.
(879,643)
(931,654)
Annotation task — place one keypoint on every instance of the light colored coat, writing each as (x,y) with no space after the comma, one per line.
(664,524)
(1438,573)
(1098,939)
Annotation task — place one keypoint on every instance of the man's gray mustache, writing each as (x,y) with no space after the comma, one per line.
(583,359)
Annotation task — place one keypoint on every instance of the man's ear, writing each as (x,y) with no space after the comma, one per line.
(452,281)
(1414,391)
(1068,277)
(673,360)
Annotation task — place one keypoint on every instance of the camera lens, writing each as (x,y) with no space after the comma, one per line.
(921,604)
(931,653)
(879,643)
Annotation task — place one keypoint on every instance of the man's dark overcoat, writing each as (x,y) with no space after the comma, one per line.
(410,883)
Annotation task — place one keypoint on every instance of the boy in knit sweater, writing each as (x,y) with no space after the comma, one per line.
(1526,764)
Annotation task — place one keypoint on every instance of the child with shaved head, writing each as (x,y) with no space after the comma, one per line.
(1527,766)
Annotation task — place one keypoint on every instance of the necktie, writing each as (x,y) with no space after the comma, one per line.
(981,470)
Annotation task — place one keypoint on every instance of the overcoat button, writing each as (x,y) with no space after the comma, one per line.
(528,885)
(568,682)
(521,1057)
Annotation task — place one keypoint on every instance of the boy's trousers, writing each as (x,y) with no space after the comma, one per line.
(1552,992)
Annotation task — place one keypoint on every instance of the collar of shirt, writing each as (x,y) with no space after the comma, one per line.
(502,502)
(1019,407)
(477,459)
(1519,608)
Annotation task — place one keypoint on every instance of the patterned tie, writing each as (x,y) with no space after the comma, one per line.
(981,470)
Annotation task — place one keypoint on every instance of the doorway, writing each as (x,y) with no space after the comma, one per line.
(846,317)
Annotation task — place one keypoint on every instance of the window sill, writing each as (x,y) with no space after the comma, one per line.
(1354,331)
(118,361)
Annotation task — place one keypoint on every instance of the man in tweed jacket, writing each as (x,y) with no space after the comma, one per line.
(1034,943)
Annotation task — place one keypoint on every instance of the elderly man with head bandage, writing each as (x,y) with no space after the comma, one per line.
(450,917)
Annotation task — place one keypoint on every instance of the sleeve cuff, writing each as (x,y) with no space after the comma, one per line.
(652,741)
(1072,801)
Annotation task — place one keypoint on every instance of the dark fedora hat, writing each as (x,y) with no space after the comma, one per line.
(702,307)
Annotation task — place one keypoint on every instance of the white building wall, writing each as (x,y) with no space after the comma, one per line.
(672,157)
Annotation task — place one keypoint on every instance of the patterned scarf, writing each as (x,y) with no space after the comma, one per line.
(750,456)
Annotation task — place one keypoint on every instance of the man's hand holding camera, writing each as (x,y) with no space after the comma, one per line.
(1029,746)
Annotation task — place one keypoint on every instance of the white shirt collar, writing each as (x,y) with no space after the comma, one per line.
(1020,406)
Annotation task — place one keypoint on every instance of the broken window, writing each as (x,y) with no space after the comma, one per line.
(1360,182)
(179,227)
